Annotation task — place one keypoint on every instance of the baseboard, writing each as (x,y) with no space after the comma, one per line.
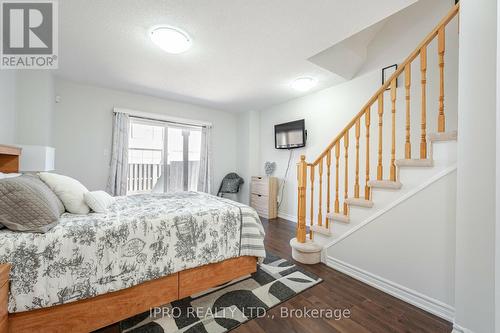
(408,295)
(459,329)
(291,218)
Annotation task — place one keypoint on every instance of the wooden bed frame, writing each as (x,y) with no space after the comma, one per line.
(97,312)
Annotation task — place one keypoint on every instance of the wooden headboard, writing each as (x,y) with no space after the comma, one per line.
(9,159)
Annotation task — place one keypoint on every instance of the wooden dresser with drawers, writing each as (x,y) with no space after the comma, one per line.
(264,196)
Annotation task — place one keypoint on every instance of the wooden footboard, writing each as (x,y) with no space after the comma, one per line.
(97,312)
(94,313)
(195,280)
(4,297)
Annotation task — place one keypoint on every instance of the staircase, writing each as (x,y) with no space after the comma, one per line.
(336,187)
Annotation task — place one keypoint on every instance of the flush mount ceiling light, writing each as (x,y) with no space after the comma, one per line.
(304,83)
(170,39)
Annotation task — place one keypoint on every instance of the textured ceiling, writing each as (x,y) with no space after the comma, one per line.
(244,54)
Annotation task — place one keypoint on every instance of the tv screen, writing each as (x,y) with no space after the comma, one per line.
(290,135)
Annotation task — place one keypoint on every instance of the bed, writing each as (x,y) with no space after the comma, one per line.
(93,270)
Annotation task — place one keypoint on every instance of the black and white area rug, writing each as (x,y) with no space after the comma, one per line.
(223,308)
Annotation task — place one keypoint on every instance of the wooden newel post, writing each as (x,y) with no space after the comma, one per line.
(301,211)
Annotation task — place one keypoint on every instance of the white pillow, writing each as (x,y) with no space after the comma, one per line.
(8,175)
(98,201)
(70,191)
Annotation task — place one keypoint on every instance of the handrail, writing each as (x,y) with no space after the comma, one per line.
(453,12)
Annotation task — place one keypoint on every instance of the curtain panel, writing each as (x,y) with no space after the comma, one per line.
(118,171)
(205,175)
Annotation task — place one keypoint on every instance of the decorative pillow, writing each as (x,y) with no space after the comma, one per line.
(7,175)
(70,191)
(28,204)
(99,201)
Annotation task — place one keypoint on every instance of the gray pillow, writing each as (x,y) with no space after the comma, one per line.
(27,204)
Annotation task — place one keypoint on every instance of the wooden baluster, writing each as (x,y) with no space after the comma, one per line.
(346,183)
(301,209)
(337,156)
(380,120)
(392,174)
(320,205)
(311,176)
(298,199)
(356,179)
(367,125)
(328,164)
(423,126)
(441,49)
(407,87)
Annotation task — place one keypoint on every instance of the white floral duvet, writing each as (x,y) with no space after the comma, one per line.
(141,238)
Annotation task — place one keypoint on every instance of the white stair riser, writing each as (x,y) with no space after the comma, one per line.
(385,184)
(360,203)
(321,230)
(414,163)
(338,218)
(442,137)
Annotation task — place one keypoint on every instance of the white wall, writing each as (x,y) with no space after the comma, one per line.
(407,27)
(26,107)
(7,107)
(248,151)
(416,251)
(34,107)
(475,248)
(327,112)
(83,125)
(497,197)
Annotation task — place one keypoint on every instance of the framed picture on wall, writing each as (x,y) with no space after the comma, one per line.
(387,72)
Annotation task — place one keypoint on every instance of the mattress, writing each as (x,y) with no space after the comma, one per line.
(141,238)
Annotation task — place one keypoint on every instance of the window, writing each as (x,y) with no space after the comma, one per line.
(163,157)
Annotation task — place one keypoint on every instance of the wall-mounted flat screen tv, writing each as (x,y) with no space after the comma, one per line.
(290,135)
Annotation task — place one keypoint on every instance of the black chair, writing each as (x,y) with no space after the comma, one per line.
(230,184)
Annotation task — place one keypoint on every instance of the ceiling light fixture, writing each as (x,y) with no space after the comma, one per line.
(304,83)
(170,39)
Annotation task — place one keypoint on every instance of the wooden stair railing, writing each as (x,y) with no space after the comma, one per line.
(343,136)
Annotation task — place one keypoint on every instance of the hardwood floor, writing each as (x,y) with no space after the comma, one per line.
(370,309)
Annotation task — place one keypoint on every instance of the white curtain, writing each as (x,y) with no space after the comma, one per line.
(205,174)
(118,172)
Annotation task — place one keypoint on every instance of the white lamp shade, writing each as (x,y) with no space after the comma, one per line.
(37,158)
